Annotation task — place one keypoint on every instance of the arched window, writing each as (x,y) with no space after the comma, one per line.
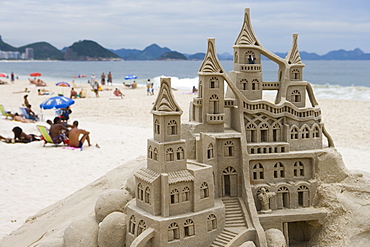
(180,153)
(282,197)
(140,192)
(189,229)
(264,130)
(156,127)
(155,154)
(173,232)
(279,171)
(204,190)
(276,132)
(213,83)
(305,133)
(174,196)
(294,133)
(258,171)
(250,57)
(132,225)
(186,194)
(255,84)
(211,222)
(296,96)
(213,104)
(210,151)
(303,196)
(169,155)
(147,195)
(316,132)
(295,75)
(141,227)
(172,128)
(298,169)
(150,152)
(243,84)
(229,149)
(251,132)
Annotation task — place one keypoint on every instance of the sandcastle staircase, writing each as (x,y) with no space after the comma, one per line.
(238,226)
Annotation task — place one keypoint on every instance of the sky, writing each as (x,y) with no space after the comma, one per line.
(185,25)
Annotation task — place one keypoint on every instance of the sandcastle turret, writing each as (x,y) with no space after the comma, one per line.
(247,73)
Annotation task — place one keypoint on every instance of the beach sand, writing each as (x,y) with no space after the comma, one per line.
(34,177)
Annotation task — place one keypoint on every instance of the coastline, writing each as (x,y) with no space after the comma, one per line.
(34,177)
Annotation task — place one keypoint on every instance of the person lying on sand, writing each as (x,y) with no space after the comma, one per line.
(20,136)
(43,92)
(74,135)
(19,118)
(40,83)
(25,91)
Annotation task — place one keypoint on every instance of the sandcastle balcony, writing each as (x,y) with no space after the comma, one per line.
(229,103)
(215,118)
(250,67)
(197,102)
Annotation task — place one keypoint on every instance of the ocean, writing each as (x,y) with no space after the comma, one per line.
(348,80)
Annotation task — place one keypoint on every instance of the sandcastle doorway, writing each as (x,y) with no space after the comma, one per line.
(230,182)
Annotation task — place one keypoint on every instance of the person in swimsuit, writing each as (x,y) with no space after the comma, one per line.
(58,132)
(74,135)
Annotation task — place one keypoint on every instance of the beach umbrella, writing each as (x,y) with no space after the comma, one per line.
(63,84)
(79,76)
(130,77)
(57,102)
(35,74)
(2,75)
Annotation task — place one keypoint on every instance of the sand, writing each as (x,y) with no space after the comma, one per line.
(34,177)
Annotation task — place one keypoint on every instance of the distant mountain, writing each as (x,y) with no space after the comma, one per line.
(151,52)
(43,51)
(172,55)
(356,54)
(125,52)
(196,56)
(6,47)
(88,50)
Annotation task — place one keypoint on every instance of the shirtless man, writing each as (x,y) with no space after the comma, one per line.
(56,131)
(74,135)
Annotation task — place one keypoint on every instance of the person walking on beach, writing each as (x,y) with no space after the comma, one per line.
(109,78)
(102,79)
(74,135)
(12,77)
(96,88)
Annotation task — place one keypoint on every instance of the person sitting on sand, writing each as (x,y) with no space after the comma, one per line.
(118,93)
(74,135)
(58,131)
(73,94)
(31,113)
(40,83)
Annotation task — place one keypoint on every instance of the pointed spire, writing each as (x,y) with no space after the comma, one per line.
(211,64)
(246,35)
(165,101)
(293,56)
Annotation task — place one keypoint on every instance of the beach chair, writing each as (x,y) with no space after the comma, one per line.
(26,115)
(46,136)
(6,114)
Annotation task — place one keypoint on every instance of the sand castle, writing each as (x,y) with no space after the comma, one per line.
(241,166)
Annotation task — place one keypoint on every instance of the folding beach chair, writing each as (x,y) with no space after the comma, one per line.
(6,114)
(46,136)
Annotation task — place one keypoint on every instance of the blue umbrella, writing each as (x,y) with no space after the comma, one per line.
(57,102)
(130,77)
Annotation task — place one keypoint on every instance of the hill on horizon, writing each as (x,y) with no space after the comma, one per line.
(88,50)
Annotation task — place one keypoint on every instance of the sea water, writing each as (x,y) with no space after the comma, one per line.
(330,79)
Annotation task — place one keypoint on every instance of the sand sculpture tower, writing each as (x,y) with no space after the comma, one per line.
(174,198)
(242,165)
